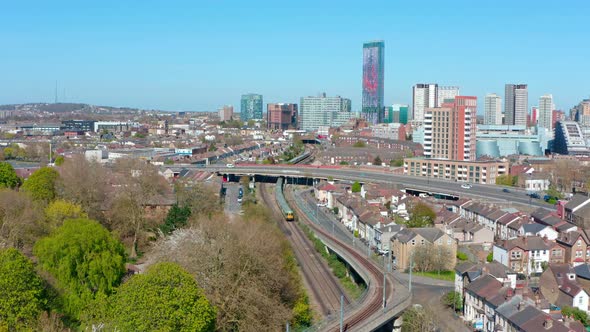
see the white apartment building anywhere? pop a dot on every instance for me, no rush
(446, 92)
(492, 109)
(323, 111)
(424, 96)
(546, 108)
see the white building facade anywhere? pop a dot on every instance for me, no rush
(492, 109)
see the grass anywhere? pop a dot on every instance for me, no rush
(442, 275)
(338, 268)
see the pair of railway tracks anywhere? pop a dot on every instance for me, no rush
(325, 289)
(374, 301)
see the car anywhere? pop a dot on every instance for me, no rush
(466, 186)
(506, 190)
(229, 165)
(534, 195)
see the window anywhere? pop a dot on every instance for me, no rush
(422, 242)
(578, 253)
(515, 254)
(449, 241)
(580, 300)
(413, 242)
(579, 243)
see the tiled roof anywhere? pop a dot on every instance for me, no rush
(583, 271)
(485, 287)
(533, 228)
(576, 201)
(431, 234)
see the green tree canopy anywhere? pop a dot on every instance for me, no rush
(41, 184)
(59, 160)
(59, 210)
(22, 296)
(8, 177)
(85, 259)
(507, 180)
(377, 161)
(177, 217)
(421, 215)
(576, 314)
(165, 298)
(453, 300)
(356, 187)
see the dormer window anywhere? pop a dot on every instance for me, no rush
(579, 243)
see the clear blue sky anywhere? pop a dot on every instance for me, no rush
(198, 55)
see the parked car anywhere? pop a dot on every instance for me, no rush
(534, 195)
(229, 165)
(506, 190)
(466, 186)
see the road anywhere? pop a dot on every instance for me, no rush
(484, 191)
(232, 206)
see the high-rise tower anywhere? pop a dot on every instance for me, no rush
(516, 104)
(251, 107)
(423, 96)
(492, 109)
(546, 112)
(373, 64)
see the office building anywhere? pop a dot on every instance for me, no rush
(449, 132)
(516, 104)
(446, 94)
(404, 111)
(484, 172)
(373, 77)
(251, 107)
(546, 112)
(569, 139)
(323, 111)
(281, 116)
(424, 96)
(581, 113)
(226, 113)
(78, 125)
(492, 109)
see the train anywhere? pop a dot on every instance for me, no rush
(283, 205)
(300, 158)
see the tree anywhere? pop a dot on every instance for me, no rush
(20, 220)
(507, 180)
(140, 185)
(359, 144)
(198, 198)
(85, 183)
(429, 257)
(85, 260)
(490, 257)
(242, 268)
(22, 297)
(356, 187)
(377, 161)
(453, 300)
(396, 162)
(554, 193)
(576, 314)
(59, 160)
(418, 319)
(177, 217)
(41, 184)
(8, 177)
(59, 210)
(462, 256)
(344, 163)
(165, 298)
(421, 215)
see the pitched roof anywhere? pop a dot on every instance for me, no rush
(485, 287)
(526, 243)
(583, 271)
(533, 228)
(576, 201)
(431, 234)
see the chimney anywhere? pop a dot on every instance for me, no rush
(548, 323)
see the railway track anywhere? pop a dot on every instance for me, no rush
(325, 289)
(374, 301)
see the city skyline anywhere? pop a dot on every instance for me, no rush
(166, 57)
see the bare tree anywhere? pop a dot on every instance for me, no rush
(139, 185)
(240, 266)
(20, 220)
(84, 183)
(431, 257)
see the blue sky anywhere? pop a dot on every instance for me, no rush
(199, 55)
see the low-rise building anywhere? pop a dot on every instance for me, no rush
(524, 254)
(407, 240)
(484, 172)
(559, 286)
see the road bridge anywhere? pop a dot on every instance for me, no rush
(483, 191)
